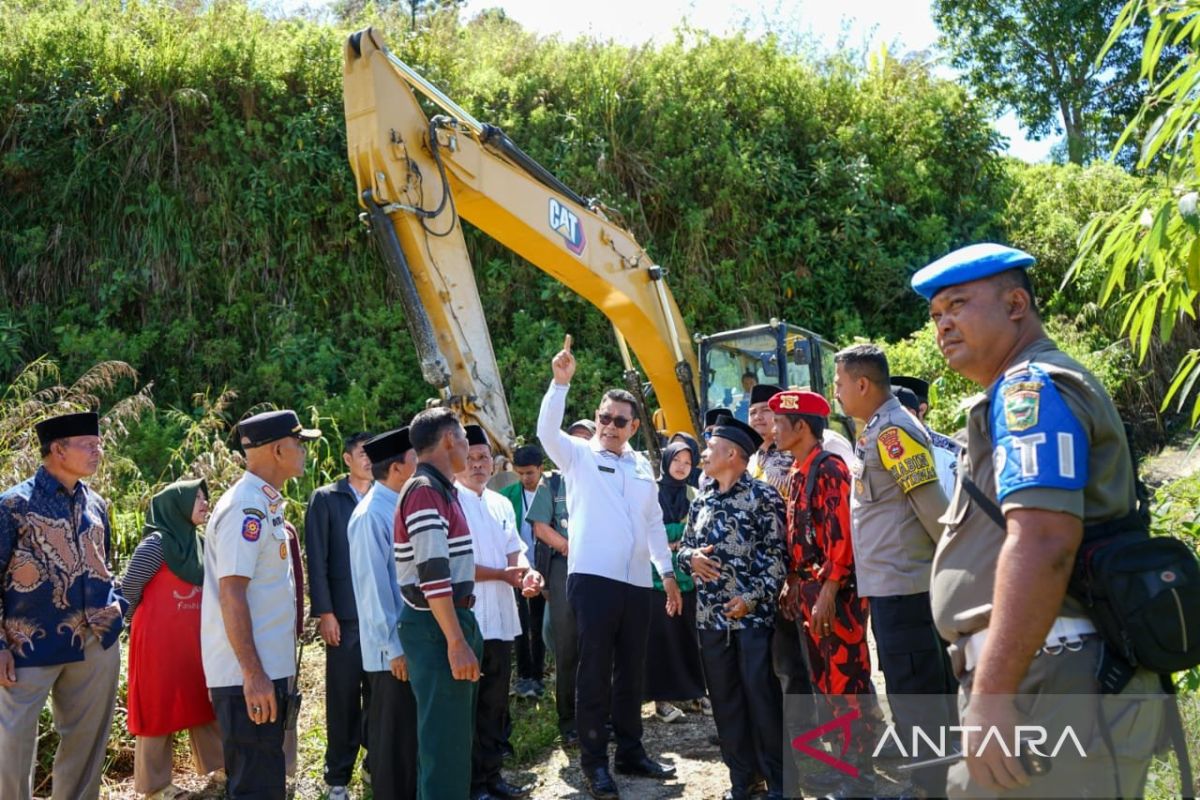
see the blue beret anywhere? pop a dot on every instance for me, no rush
(968, 264)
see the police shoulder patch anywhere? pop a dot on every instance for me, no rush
(254, 512)
(908, 460)
(1038, 442)
(251, 528)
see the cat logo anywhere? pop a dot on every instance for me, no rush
(565, 222)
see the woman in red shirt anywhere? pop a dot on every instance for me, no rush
(167, 691)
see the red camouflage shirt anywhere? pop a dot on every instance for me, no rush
(819, 548)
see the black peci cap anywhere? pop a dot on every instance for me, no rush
(907, 397)
(271, 426)
(763, 392)
(738, 432)
(85, 423)
(477, 435)
(713, 414)
(387, 445)
(917, 386)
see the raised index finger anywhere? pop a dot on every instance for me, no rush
(567, 343)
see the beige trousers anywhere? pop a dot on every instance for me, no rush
(153, 757)
(81, 699)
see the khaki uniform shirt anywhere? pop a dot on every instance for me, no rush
(1053, 434)
(894, 505)
(246, 537)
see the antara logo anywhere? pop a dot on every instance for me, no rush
(566, 223)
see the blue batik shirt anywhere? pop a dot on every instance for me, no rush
(56, 588)
(746, 527)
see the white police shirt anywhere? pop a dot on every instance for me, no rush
(246, 537)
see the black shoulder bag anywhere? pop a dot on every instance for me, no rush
(1143, 594)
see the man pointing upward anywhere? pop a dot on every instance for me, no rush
(616, 532)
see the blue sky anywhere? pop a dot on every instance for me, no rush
(902, 25)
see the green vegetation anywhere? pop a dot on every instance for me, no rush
(179, 242)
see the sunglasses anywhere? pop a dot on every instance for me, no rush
(618, 422)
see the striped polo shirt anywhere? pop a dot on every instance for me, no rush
(432, 547)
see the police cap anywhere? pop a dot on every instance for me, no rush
(271, 426)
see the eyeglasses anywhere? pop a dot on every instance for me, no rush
(608, 419)
(87, 447)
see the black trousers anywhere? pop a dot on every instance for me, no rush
(392, 729)
(531, 649)
(747, 704)
(347, 693)
(566, 643)
(254, 761)
(491, 710)
(613, 618)
(915, 662)
(789, 660)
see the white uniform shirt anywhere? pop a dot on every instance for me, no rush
(246, 537)
(612, 501)
(493, 537)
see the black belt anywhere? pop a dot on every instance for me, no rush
(465, 602)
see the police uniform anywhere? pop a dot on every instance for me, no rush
(912, 392)
(1045, 436)
(246, 538)
(895, 504)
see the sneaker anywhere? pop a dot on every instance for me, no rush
(529, 689)
(667, 712)
(338, 793)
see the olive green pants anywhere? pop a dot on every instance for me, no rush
(1060, 690)
(445, 706)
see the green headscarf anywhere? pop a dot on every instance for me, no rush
(171, 516)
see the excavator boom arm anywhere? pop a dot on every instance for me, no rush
(422, 174)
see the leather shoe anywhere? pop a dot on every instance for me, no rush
(600, 784)
(570, 739)
(646, 767)
(504, 790)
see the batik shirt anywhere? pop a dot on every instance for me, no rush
(56, 586)
(818, 538)
(745, 527)
(772, 466)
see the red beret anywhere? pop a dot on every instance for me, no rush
(798, 402)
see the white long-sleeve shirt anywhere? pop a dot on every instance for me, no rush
(494, 537)
(612, 501)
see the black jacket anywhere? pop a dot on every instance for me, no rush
(327, 551)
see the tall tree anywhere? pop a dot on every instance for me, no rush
(1041, 59)
(1151, 245)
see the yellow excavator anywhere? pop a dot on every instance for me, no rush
(418, 176)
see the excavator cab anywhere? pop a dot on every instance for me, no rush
(779, 353)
